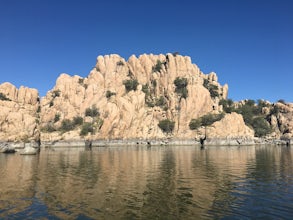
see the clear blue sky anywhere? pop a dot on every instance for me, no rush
(248, 43)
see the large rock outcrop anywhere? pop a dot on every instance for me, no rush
(133, 114)
(127, 100)
(282, 120)
(231, 130)
(19, 114)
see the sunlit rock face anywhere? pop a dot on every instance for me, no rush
(133, 113)
(282, 121)
(19, 113)
(122, 99)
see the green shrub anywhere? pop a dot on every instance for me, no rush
(109, 94)
(120, 63)
(254, 117)
(77, 121)
(166, 125)
(154, 83)
(56, 93)
(48, 128)
(57, 117)
(209, 119)
(86, 128)
(150, 103)
(250, 102)
(262, 103)
(92, 112)
(99, 122)
(249, 110)
(261, 127)
(80, 81)
(228, 105)
(67, 125)
(130, 74)
(161, 101)
(195, 124)
(181, 87)
(3, 97)
(213, 89)
(275, 110)
(130, 84)
(145, 88)
(180, 82)
(158, 67)
(205, 120)
(51, 103)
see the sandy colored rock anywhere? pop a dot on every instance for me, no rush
(231, 126)
(105, 106)
(19, 115)
(126, 115)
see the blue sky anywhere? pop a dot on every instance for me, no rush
(248, 43)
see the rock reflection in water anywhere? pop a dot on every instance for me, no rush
(148, 183)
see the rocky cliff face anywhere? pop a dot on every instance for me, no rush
(19, 113)
(146, 97)
(132, 113)
(282, 121)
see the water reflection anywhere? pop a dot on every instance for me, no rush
(149, 183)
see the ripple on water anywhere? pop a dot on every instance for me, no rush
(157, 183)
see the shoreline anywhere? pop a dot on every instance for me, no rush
(148, 142)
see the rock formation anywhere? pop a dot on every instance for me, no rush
(133, 114)
(19, 114)
(149, 97)
(282, 121)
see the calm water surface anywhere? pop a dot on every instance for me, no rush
(149, 183)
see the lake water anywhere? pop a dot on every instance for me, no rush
(180, 182)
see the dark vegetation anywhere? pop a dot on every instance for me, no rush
(56, 93)
(251, 112)
(57, 117)
(130, 84)
(181, 87)
(92, 112)
(205, 120)
(48, 128)
(150, 99)
(120, 63)
(158, 67)
(86, 128)
(166, 125)
(71, 124)
(213, 89)
(253, 117)
(80, 81)
(96, 124)
(68, 125)
(3, 97)
(109, 94)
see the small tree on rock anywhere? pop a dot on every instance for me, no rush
(167, 125)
